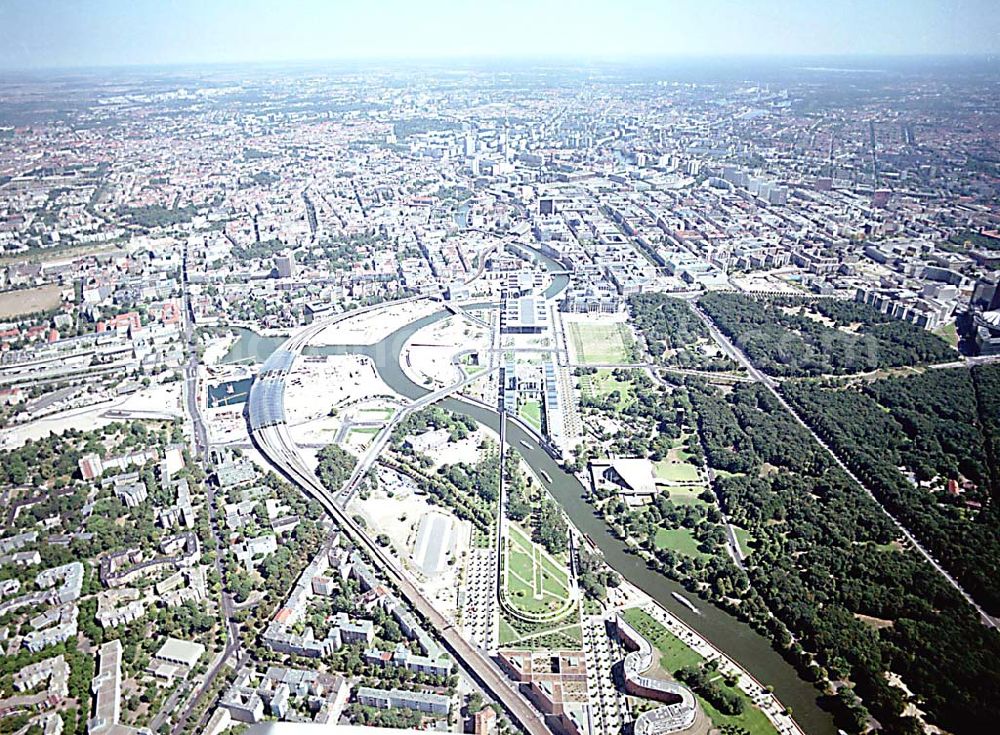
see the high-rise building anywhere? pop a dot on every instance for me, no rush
(986, 294)
(285, 265)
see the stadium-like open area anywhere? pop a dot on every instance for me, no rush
(599, 343)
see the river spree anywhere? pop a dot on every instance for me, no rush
(738, 640)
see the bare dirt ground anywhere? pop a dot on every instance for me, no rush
(29, 300)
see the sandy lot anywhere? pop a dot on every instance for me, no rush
(466, 450)
(157, 399)
(216, 349)
(346, 385)
(318, 384)
(429, 353)
(367, 329)
(226, 425)
(399, 518)
(29, 300)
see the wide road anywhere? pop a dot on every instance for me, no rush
(772, 385)
(191, 367)
(201, 446)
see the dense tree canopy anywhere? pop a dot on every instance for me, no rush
(787, 337)
(672, 330)
(928, 425)
(827, 564)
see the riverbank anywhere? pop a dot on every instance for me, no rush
(761, 697)
(372, 327)
(743, 645)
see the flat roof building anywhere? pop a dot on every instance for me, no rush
(525, 315)
(434, 540)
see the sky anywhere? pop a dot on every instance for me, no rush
(85, 33)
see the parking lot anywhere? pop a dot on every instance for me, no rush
(608, 705)
(479, 613)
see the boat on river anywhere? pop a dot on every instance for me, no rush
(545, 476)
(685, 602)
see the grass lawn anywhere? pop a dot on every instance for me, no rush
(529, 559)
(507, 633)
(744, 537)
(599, 343)
(680, 495)
(949, 332)
(531, 412)
(727, 473)
(603, 383)
(752, 719)
(520, 563)
(670, 471)
(675, 655)
(378, 413)
(535, 583)
(554, 581)
(678, 539)
(518, 536)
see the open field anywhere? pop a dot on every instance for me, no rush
(755, 722)
(678, 539)
(536, 585)
(674, 655)
(375, 414)
(507, 632)
(531, 412)
(596, 344)
(685, 494)
(29, 300)
(744, 538)
(676, 471)
(949, 332)
(604, 383)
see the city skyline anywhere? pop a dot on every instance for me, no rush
(549, 368)
(54, 34)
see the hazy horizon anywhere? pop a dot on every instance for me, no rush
(55, 34)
